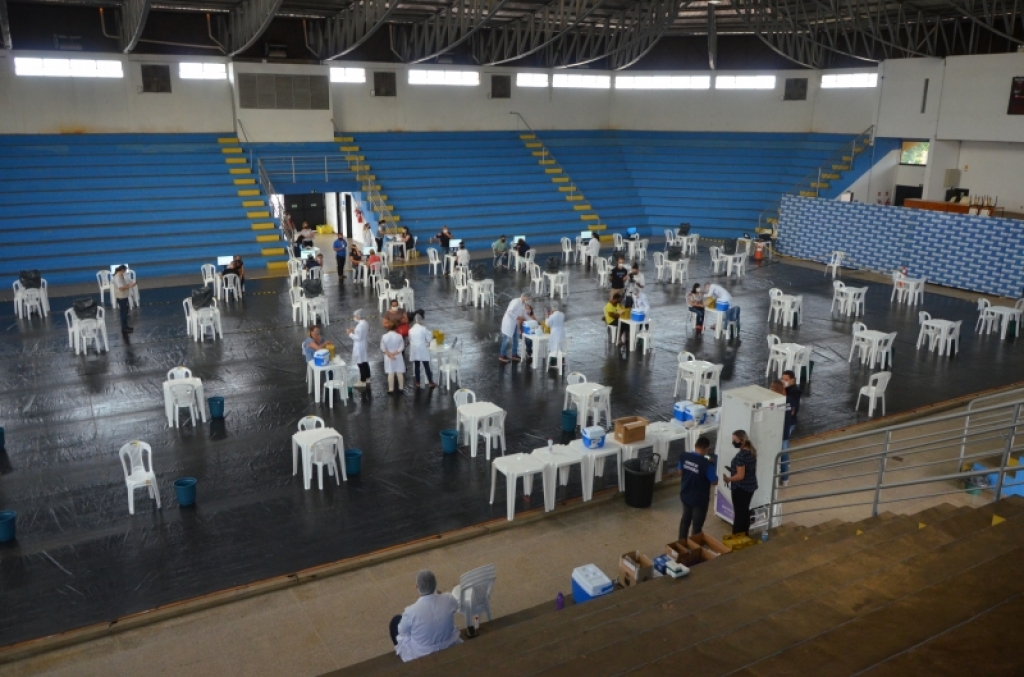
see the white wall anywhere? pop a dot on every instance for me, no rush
(975, 97)
(899, 113)
(879, 179)
(262, 125)
(34, 105)
(995, 169)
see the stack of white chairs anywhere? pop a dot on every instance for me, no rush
(473, 593)
(718, 260)
(183, 396)
(137, 464)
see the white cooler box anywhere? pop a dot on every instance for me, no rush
(593, 437)
(589, 582)
(321, 358)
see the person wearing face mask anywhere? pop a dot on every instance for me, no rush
(742, 476)
(793, 396)
(617, 278)
(358, 335)
(695, 301)
(393, 345)
(398, 318)
(639, 301)
(419, 350)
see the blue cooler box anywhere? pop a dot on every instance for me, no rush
(637, 316)
(679, 409)
(593, 437)
(695, 412)
(531, 327)
(589, 582)
(321, 358)
(722, 305)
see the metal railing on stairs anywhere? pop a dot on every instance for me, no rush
(244, 138)
(386, 223)
(814, 180)
(545, 155)
(925, 459)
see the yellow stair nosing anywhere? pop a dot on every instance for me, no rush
(527, 137)
(240, 170)
(582, 208)
(344, 139)
(560, 179)
(262, 226)
(268, 238)
(228, 139)
(538, 153)
(253, 203)
(349, 149)
(234, 160)
(231, 149)
(566, 189)
(248, 192)
(546, 162)
(588, 217)
(355, 158)
(277, 265)
(598, 226)
(257, 215)
(273, 251)
(554, 170)
(245, 182)
(535, 144)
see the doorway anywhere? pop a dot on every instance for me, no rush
(308, 207)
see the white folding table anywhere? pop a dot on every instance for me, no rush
(593, 463)
(514, 466)
(302, 445)
(472, 414)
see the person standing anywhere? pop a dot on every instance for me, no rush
(743, 479)
(511, 326)
(358, 335)
(428, 625)
(556, 325)
(340, 254)
(392, 345)
(593, 249)
(617, 278)
(419, 351)
(635, 279)
(444, 238)
(695, 490)
(122, 289)
(793, 396)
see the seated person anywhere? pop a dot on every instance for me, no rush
(314, 343)
(500, 250)
(522, 247)
(462, 257)
(398, 318)
(428, 625)
(695, 301)
(527, 316)
(407, 239)
(593, 249)
(306, 235)
(613, 312)
(355, 256)
(236, 267)
(311, 262)
(372, 259)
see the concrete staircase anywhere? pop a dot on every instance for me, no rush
(935, 593)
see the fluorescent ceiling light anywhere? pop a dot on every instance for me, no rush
(440, 77)
(745, 82)
(531, 79)
(202, 71)
(662, 82)
(849, 80)
(68, 68)
(573, 80)
(354, 75)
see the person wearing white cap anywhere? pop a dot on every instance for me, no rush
(511, 326)
(419, 350)
(428, 625)
(393, 345)
(359, 357)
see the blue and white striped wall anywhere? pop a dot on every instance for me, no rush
(954, 250)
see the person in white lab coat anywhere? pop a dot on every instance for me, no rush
(639, 301)
(556, 323)
(359, 357)
(428, 625)
(419, 350)
(511, 326)
(392, 345)
(593, 249)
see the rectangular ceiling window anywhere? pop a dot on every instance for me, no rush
(745, 82)
(662, 82)
(575, 81)
(202, 71)
(439, 77)
(353, 75)
(849, 80)
(531, 79)
(68, 68)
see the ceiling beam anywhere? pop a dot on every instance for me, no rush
(5, 27)
(340, 34)
(531, 33)
(133, 19)
(431, 37)
(243, 26)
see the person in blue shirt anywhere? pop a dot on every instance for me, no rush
(341, 253)
(695, 490)
(314, 343)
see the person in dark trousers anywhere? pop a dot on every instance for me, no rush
(340, 253)
(617, 278)
(793, 396)
(743, 479)
(695, 491)
(122, 288)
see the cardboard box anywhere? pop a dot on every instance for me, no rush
(635, 568)
(708, 547)
(682, 553)
(629, 429)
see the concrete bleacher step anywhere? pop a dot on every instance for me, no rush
(757, 611)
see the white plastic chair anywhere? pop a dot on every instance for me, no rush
(561, 286)
(105, 281)
(315, 273)
(801, 361)
(874, 390)
(537, 279)
(859, 344)
(575, 378)
(461, 284)
(493, 427)
(93, 330)
(646, 334)
(183, 396)
(710, 379)
(884, 351)
(335, 379)
(209, 272)
(179, 372)
(462, 396)
(642, 250)
(559, 359)
(600, 405)
(617, 241)
(775, 357)
(310, 423)
(835, 261)
(31, 300)
(855, 300)
(951, 338)
(190, 318)
(205, 318)
(137, 464)
(690, 243)
(930, 334)
(838, 296)
(317, 311)
(295, 272)
(449, 369)
(323, 453)
(473, 593)
(659, 265)
(718, 260)
(681, 376)
(231, 285)
(433, 261)
(567, 250)
(71, 320)
(602, 273)
(986, 318)
(295, 296)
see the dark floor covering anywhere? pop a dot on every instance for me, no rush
(81, 559)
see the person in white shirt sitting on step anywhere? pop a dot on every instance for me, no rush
(428, 625)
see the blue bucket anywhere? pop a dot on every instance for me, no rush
(185, 488)
(8, 525)
(569, 420)
(216, 406)
(450, 441)
(353, 461)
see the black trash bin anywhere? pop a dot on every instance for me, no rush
(640, 473)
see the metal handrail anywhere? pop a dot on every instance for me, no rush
(545, 153)
(385, 221)
(245, 140)
(987, 428)
(810, 177)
